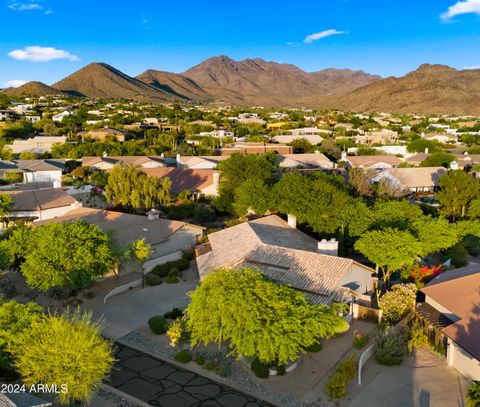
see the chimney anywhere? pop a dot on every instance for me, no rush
(454, 165)
(426, 150)
(57, 184)
(105, 154)
(343, 156)
(292, 221)
(317, 152)
(153, 214)
(328, 247)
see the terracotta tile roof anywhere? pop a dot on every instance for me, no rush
(126, 160)
(195, 180)
(418, 158)
(309, 160)
(370, 160)
(32, 165)
(126, 227)
(40, 199)
(460, 296)
(418, 177)
(190, 161)
(281, 252)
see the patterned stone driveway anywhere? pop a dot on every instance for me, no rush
(159, 383)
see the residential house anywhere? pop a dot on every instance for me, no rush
(255, 148)
(308, 131)
(287, 255)
(418, 179)
(418, 158)
(60, 116)
(36, 145)
(106, 163)
(165, 237)
(315, 160)
(313, 139)
(200, 182)
(35, 170)
(452, 304)
(6, 115)
(40, 204)
(383, 136)
(377, 162)
(200, 162)
(103, 134)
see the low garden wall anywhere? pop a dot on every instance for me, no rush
(150, 264)
(121, 289)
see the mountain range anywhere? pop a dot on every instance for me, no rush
(430, 89)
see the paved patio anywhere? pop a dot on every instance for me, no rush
(160, 383)
(424, 380)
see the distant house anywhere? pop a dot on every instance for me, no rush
(308, 131)
(200, 182)
(41, 204)
(200, 162)
(105, 163)
(377, 162)
(36, 145)
(315, 160)
(421, 179)
(287, 255)
(60, 116)
(34, 170)
(255, 148)
(104, 133)
(418, 158)
(383, 136)
(165, 237)
(452, 304)
(286, 139)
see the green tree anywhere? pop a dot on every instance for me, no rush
(419, 145)
(65, 350)
(61, 254)
(15, 318)
(141, 250)
(240, 168)
(275, 323)
(457, 190)
(254, 195)
(6, 204)
(390, 249)
(132, 188)
(438, 159)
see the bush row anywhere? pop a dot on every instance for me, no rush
(337, 385)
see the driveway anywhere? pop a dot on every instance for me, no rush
(421, 381)
(129, 311)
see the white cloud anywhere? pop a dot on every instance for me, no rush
(461, 7)
(322, 34)
(472, 67)
(24, 6)
(36, 53)
(14, 83)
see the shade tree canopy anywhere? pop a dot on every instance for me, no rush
(275, 324)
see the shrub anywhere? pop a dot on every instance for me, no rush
(359, 339)
(397, 302)
(158, 324)
(457, 254)
(316, 347)
(222, 371)
(199, 360)
(174, 313)
(473, 394)
(178, 332)
(183, 356)
(209, 366)
(281, 370)
(260, 369)
(336, 387)
(153, 279)
(389, 347)
(174, 272)
(188, 255)
(417, 336)
(162, 270)
(172, 280)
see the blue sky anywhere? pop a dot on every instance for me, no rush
(47, 39)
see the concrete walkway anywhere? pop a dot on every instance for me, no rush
(421, 381)
(131, 310)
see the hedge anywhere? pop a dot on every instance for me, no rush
(174, 313)
(183, 356)
(260, 369)
(158, 324)
(162, 270)
(153, 279)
